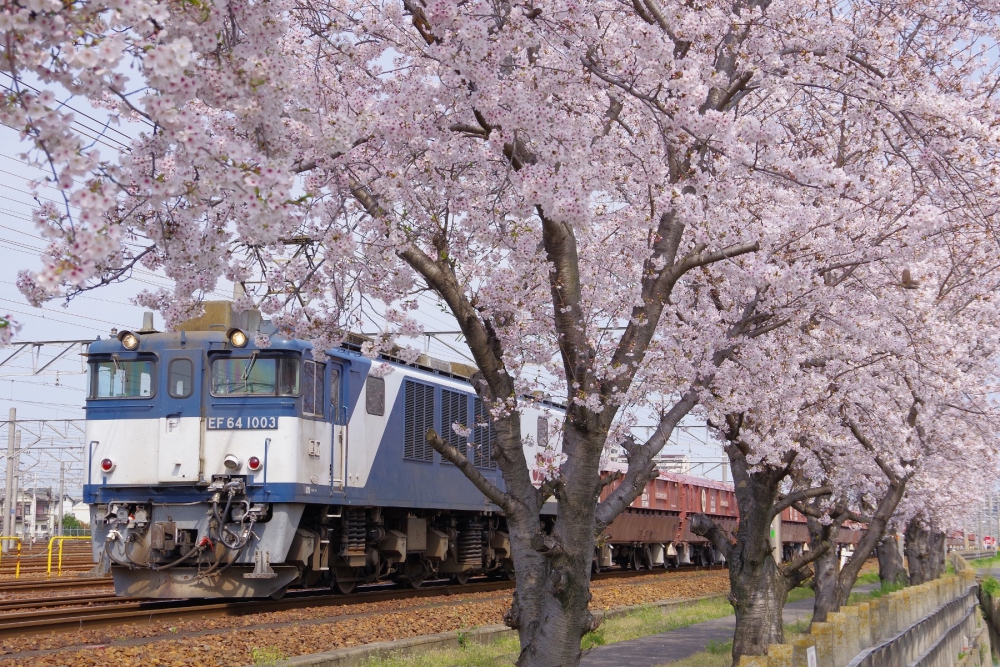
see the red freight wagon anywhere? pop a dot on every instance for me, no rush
(655, 530)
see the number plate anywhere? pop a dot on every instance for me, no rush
(241, 423)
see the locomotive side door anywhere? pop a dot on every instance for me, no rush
(179, 387)
(338, 411)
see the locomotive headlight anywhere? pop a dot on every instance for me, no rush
(232, 462)
(253, 463)
(237, 337)
(128, 340)
(107, 465)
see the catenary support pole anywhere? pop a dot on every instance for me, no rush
(62, 490)
(8, 498)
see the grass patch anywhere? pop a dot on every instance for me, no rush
(991, 586)
(500, 653)
(705, 659)
(267, 656)
(885, 589)
(504, 652)
(867, 578)
(799, 594)
(981, 562)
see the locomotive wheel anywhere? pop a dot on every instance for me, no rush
(345, 587)
(462, 578)
(637, 560)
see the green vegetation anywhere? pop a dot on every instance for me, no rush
(885, 589)
(642, 623)
(70, 521)
(719, 648)
(267, 656)
(867, 578)
(983, 562)
(990, 586)
(800, 593)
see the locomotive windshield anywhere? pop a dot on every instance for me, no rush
(121, 379)
(256, 376)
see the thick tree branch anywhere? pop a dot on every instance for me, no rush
(640, 467)
(462, 462)
(784, 502)
(704, 526)
(791, 568)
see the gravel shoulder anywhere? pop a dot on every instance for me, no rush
(229, 641)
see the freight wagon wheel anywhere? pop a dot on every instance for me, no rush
(637, 561)
(462, 578)
(345, 587)
(508, 570)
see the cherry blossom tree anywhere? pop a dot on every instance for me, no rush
(600, 189)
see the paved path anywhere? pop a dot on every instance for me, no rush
(683, 642)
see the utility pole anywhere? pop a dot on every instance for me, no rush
(62, 490)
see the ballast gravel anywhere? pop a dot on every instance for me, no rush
(231, 641)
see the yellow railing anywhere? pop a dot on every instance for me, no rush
(60, 539)
(8, 538)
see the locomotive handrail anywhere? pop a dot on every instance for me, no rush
(7, 538)
(61, 539)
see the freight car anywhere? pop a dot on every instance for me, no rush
(655, 530)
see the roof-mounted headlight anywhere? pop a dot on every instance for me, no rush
(128, 340)
(236, 337)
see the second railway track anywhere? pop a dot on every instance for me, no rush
(25, 617)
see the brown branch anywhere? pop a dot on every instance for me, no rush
(462, 462)
(790, 569)
(784, 502)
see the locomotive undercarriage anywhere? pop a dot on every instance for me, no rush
(232, 547)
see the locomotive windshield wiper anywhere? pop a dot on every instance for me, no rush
(118, 368)
(248, 368)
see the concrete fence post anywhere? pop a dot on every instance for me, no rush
(753, 661)
(876, 617)
(852, 629)
(823, 635)
(779, 655)
(838, 626)
(800, 648)
(864, 626)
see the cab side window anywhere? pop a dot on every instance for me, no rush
(313, 395)
(180, 378)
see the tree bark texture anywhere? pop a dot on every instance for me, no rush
(758, 584)
(826, 582)
(891, 571)
(833, 583)
(919, 557)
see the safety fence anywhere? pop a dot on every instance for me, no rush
(929, 625)
(61, 539)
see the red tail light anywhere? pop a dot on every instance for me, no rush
(253, 463)
(107, 465)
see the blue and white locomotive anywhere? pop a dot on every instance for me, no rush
(215, 468)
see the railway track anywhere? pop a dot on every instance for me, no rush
(26, 617)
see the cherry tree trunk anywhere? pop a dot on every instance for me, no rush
(550, 606)
(758, 588)
(890, 561)
(918, 553)
(937, 554)
(827, 583)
